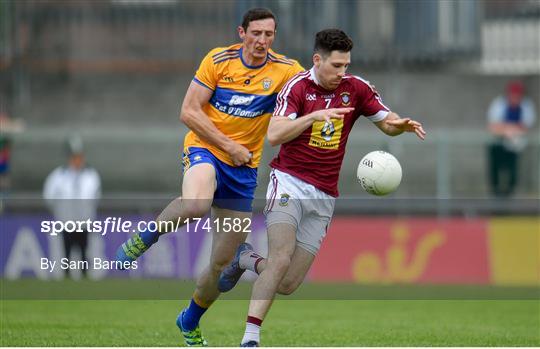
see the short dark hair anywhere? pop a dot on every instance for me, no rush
(329, 40)
(256, 14)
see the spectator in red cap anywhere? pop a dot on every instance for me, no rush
(509, 119)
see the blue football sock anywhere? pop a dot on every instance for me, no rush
(149, 237)
(191, 317)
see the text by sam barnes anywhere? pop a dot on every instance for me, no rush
(96, 263)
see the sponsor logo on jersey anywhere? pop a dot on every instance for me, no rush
(241, 100)
(242, 105)
(326, 135)
(345, 99)
(328, 131)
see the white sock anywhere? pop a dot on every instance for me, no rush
(249, 260)
(252, 333)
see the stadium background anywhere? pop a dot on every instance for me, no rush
(115, 72)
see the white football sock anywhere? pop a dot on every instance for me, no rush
(252, 333)
(248, 260)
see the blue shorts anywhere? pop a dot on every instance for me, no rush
(235, 185)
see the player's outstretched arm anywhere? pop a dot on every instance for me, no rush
(283, 129)
(393, 125)
(194, 117)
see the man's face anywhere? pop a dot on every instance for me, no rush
(514, 98)
(76, 161)
(331, 69)
(258, 37)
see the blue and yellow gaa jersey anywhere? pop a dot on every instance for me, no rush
(244, 97)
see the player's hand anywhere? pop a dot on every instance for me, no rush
(239, 154)
(329, 114)
(408, 125)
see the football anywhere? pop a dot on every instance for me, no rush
(379, 173)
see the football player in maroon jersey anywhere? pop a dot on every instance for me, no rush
(314, 115)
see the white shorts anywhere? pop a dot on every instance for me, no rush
(293, 201)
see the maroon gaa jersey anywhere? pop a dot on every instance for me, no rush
(316, 155)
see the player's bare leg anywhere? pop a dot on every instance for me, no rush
(247, 259)
(301, 262)
(281, 246)
(198, 189)
(224, 244)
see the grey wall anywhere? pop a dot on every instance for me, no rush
(133, 136)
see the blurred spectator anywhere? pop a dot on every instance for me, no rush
(5, 151)
(8, 126)
(72, 193)
(509, 119)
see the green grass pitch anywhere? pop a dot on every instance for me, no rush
(309, 322)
